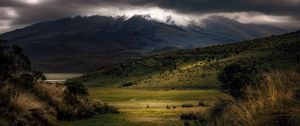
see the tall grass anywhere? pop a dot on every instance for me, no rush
(44, 104)
(23, 108)
(55, 92)
(27, 109)
(275, 92)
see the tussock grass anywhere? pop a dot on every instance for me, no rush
(45, 103)
(54, 91)
(21, 102)
(74, 106)
(27, 109)
(276, 92)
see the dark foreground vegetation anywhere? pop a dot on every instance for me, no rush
(26, 100)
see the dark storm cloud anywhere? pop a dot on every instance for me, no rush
(274, 7)
(30, 12)
(60, 8)
(9, 3)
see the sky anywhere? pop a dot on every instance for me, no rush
(280, 13)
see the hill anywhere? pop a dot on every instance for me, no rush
(198, 68)
(84, 43)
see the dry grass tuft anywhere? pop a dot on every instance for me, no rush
(54, 92)
(275, 92)
(27, 109)
(80, 107)
(46, 103)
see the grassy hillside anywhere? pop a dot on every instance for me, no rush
(198, 68)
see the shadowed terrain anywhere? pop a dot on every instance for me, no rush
(84, 43)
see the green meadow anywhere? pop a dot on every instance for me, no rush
(146, 107)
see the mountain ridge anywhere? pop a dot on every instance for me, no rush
(81, 43)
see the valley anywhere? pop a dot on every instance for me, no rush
(146, 90)
(147, 107)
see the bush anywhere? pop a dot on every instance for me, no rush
(127, 84)
(187, 105)
(237, 76)
(76, 88)
(220, 107)
(297, 94)
(23, 81)
(105, 108)
(188, 116)
(12, 60)
(202, 104)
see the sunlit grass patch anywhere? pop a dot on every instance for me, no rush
(147, 107)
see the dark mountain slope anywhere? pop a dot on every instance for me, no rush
(84, 43)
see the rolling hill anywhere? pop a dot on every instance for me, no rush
(198, 68)
(84, 43)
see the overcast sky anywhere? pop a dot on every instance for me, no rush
(281, 13)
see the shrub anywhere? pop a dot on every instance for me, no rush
(26, 109)
(105, 108)
(201, 121)
(220, 107)
(23, 81)
(71, 102)
(202, 104)
(74, 89)
(237, 76)
(12, 60)
(127, 84)
(187, 105)
(297, 94)
(188, 116)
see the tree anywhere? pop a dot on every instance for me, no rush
(12, 60)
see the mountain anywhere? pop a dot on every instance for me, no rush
(199, 67)
(84, 43)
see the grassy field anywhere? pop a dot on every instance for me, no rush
(133, 106)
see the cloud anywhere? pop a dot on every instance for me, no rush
(278, 12)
